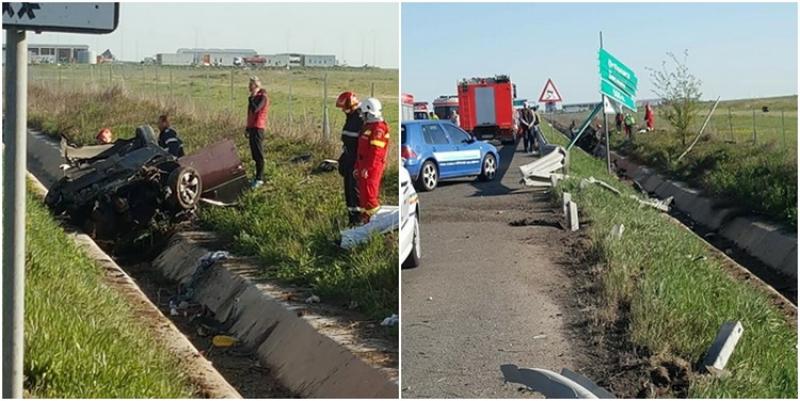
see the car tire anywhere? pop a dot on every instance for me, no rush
(428, 176)
(413, 258)
(186, 186)
(488, 168)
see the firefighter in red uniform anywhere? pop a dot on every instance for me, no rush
(353, 123)
(373, 144)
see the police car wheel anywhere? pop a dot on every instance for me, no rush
(489, 168)
(428, 176)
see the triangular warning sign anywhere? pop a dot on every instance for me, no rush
(550, 93)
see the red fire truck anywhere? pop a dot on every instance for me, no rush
(445, 105)
(407, 107)
(486, 107)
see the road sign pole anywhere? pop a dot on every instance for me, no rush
(605, 120)
(14, 154)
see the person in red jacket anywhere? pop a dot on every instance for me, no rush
(257, 110)
(348, 102)
(373, 145)
(649, 116)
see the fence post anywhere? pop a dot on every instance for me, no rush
(372, 89)
(171, 94)
(730, 123)
(208, 88)
(110, 74)
(60, 86)
(326, 127)
(783, 133)
(754, 126)
(232, 90)
(158, 92)
(290, 102)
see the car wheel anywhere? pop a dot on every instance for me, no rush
(413, 258)
(428, 176)
(186, 187)
(489, 168)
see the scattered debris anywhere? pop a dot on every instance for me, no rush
(222, 341)
(616, 231)
(591, 180)
(566, 197)
(662, 205)
(385, 220)
(391, 320)
(304, 158)
(541, 172)
(722, 348)
(327, 166)
(312, 299)
(430, 298)
(551, 384)
(540, 336)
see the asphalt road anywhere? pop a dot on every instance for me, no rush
(487, 293)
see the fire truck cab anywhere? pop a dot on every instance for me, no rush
(486, 107)
(445, 105)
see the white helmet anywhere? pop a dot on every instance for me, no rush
(371, 109)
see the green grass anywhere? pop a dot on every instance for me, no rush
(81, 338)
(760, 175)
(292, 224)
(677, 301)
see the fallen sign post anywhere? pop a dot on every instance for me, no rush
(17, 19)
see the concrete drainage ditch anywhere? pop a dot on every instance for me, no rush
(286, 348)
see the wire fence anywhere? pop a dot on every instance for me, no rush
(300, 99)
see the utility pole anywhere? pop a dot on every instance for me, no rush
(14, 160)
(605, 120)
(326, 126)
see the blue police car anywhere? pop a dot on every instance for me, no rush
(438, 149)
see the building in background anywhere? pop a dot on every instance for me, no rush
(240, 57)
(56, 54)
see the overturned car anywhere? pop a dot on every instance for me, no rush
(132, 184)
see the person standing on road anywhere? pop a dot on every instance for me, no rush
(455, 119)
(649, 116)
(348, 102)
(168, 137)
(526, 120)
(257, 110)
(373, 144)
(537, 131)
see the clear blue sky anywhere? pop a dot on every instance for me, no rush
(345, 29)
(737, 50)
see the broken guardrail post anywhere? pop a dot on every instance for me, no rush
(722, 348)
(572, 217)
(566, 198)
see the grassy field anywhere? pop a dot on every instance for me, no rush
(674, 298)
(292, 223)
(81, 339)
(759, 175)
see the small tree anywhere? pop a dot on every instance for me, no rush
(679, 91)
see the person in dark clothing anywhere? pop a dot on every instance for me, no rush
(618, 120)
(168, 137)
(526, 119)
(257, 110)
(348, 102)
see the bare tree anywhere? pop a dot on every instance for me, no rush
(679, 91)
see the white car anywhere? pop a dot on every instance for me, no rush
(409, 221)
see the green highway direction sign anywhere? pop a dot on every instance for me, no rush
(612, 91)
(617, 81)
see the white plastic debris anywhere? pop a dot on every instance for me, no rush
(391, 320)
(385, 220)
(616, 231)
